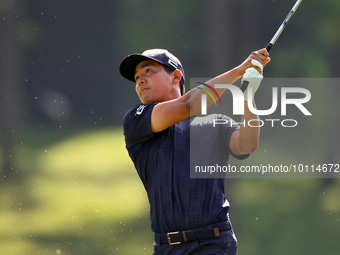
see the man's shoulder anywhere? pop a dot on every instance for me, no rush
(137, 126)
(138, 110)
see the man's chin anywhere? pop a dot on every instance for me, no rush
(149, 100)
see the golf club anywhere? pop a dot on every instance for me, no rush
(244, 84)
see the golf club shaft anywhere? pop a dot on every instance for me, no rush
(270, 45)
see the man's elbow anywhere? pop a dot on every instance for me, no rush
(241, 145)
(249, 147)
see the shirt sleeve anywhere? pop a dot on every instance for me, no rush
(137, 126)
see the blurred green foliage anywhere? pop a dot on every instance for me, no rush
(83, 196)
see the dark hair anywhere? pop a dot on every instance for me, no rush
(170, 71)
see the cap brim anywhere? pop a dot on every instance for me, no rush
(128, 65)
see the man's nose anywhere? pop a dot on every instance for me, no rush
(140, 81)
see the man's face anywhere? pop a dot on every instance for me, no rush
(153, 83)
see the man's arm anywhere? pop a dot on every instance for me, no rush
(246, 139)
(168, 113)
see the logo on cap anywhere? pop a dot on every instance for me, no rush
(172, 63)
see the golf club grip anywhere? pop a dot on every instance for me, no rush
(244, 86)
(269, 47)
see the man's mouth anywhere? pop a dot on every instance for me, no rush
(145, 89)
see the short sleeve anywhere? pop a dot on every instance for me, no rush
(137, 126)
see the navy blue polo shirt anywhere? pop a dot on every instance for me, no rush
(162, 160)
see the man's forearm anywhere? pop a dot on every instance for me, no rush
(195, 94)
(249, 134)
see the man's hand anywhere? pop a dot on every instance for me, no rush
(261, 56)
(254, 78)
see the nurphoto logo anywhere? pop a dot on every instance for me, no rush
(301, 95)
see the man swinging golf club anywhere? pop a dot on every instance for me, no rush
(188, 215)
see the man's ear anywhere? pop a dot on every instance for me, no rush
(176, 76)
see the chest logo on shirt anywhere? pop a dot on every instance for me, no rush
(140, 109)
